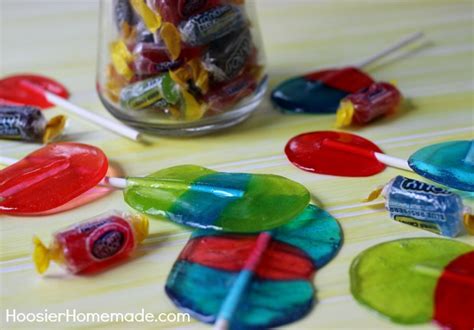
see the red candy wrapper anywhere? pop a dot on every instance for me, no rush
(94, 244)
(360, 108)
(227, 94)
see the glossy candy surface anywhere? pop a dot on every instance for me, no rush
(94, 244)
(363, 107)
(319, 92)
(281, 290)
(50, 177)
(12, 89)
(198, 197)
(308, 152)
(448, 163)
(90, 196)
(417, 280)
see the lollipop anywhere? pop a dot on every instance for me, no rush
(422, 279)
(50, 177)
(322, 91)
(232, 280)
(344, 154)
(44, 92)
(89, 196)
(189, 195)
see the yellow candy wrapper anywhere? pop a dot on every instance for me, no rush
(172, 39)
(344, 114)
(192, 70)
(151, 19)
(54, 128)
(121, 59)
(191, 107)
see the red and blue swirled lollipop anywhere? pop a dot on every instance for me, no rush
(213, 281)
(322, 91)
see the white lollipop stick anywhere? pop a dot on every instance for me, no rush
(119, 183)
(384, 159)
(113, 126)
(393, 161)
(387, 51)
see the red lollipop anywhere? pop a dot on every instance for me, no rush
(71, 168)
(310, 152)
(11, 89)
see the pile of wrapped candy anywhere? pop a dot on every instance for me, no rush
(182, 60)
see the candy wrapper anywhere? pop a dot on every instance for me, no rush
(27, 123)
(425, 206)
(93, 244)
(379, 99)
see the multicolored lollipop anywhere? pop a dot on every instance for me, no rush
(249, 281)
(199, 197)
(190, 195)
(413, 281)
(345, 154)
(43, 92)
(322, 91)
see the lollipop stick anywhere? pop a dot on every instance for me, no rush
(119, 183)
(393, 161)
(384, 159)
(232, 300)
(402, 43)
(83, 113)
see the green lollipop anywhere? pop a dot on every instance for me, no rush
(199, 197)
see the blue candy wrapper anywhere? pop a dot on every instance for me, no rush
(424, 206)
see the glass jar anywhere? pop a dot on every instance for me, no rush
(180, 67)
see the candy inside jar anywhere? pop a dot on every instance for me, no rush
(180, 67)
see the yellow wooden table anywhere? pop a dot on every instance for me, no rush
(58, 38)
